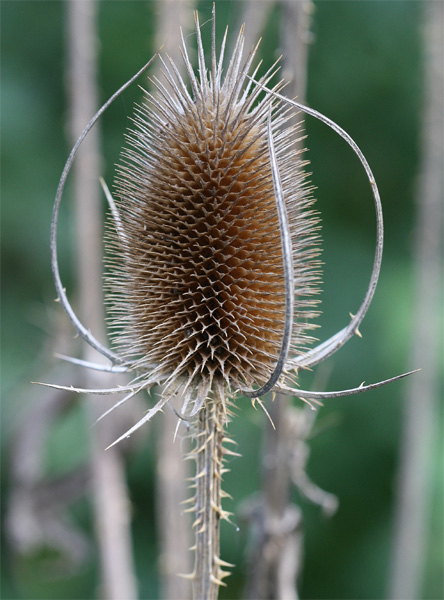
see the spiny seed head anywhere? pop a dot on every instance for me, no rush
(196, 266)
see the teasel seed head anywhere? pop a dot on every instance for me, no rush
(212, 253)
(196, 268)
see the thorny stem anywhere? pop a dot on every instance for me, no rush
(209, 436)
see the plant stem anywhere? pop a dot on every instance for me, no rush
(208, 454)
(413, 529)
(110, 497)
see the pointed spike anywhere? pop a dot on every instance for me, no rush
(225, 494)
(228, 440)
(221, 562)
(221, 574)
(261, 404)
(227, 452)
(217, 581)
(192, 499)
(145, 419)
(190, 509)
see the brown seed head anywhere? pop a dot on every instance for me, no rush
(196, 267)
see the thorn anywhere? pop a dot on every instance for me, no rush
(190, 456)
(357, 332)
(217, 581)
(115, 443)
(221, 562)
(201, 474)
(225, 516)
(189, 510)
(222, 574)
(261, 404)
(176, 431)
(227, 452)
(228, 440)
(192, 499)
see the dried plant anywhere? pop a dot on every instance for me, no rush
(212, 256)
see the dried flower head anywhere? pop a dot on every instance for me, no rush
(197, 285)
(213, 242)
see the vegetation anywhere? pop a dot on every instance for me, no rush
(365, 72)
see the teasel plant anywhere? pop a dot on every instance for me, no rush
(213, 263)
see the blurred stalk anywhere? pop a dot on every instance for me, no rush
(275, 560)
(421, 419)
(111, 505)
(254, 17)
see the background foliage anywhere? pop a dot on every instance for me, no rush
(365, 72)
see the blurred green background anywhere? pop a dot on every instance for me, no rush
(365, 72)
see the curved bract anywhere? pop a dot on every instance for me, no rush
(61, 293)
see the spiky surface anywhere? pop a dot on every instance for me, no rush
(197, 285)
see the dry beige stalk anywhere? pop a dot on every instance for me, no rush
(209, 436)
(423, 398)
(109, 491)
